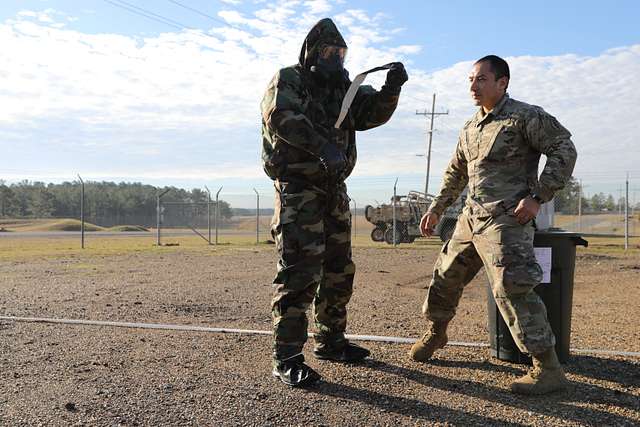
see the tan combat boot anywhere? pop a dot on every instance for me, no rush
(546, 375)
(434, 339)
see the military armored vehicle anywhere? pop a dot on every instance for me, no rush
(409, 210)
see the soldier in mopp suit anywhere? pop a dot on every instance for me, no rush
(497, 157)
(309, 159)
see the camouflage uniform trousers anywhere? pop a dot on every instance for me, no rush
(505, 248)
(312, 231)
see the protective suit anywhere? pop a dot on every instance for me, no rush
(309, 160)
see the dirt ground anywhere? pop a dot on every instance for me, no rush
(88, 375)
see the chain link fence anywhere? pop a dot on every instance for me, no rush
(601, 207)
(594, 206)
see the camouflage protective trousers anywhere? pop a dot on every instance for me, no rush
(312, 231)
(505, 248)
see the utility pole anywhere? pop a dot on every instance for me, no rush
(432, 115)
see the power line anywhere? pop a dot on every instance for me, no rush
(206, 15)
(168, 21)
(406, 95)
(150, 16)
(153, 14)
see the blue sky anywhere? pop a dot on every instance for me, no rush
(450, 32)
(94, 89)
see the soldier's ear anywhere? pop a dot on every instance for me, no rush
(503, 83)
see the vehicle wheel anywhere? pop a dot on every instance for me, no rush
(446, 229)
(377, 234)
(401, 234)
(404, 233)
(388, 236)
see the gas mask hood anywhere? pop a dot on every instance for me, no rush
(324, 49)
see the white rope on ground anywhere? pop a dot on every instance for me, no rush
(191, 328)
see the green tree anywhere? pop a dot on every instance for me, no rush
(42, 202)
(566, 200)
(598, 201)
(610, 204)
(7, 201)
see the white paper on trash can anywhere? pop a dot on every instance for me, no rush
(543, 256)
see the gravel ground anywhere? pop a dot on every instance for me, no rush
(87, 375)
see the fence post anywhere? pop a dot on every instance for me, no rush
(394, 213)
(208, 213)
(81, 211)
(257, 216)
(626, 214)
(217, 217)
(355, 219)
(159, 215)
(580, 207)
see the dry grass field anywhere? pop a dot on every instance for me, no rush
(89, 375)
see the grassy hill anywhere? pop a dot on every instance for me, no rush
(45, 225)
(60, 224)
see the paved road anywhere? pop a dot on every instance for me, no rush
(588, 223)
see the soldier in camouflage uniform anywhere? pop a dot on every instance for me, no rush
(497, 157)
(309, 159)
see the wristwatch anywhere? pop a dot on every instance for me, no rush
(537, 198)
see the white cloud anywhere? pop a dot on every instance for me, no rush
(318, 6)
(187, 103)
(48, 17)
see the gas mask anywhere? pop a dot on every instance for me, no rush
(330, 61)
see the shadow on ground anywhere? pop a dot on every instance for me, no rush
(565, 405)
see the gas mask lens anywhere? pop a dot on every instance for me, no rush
(333, 55)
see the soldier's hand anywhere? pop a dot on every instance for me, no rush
(397, 75)
(527, 210)
(333, 159)
(428, 224)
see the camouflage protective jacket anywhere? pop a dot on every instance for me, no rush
(299, 111)
(497, 156)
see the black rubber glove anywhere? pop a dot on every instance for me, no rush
(396, 76)
(333, 159)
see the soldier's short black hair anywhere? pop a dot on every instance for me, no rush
(499, 66)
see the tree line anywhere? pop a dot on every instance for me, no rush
(106, 203)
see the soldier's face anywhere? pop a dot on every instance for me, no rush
(485, 90)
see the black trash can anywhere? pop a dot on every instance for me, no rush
(556, 292)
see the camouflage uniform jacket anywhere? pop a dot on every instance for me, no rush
(497, 155)
(299, 111)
